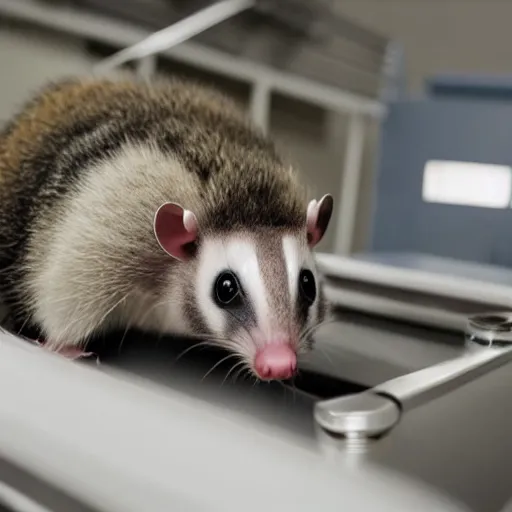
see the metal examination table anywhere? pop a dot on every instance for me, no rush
(456, 442)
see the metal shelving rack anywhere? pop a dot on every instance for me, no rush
(142, 45)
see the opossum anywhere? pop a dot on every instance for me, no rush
(157, 206)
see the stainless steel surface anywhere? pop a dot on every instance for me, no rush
(124, 444)
(459, 442)
(22, 491)
(456, 440)
(456, 443)
(397, 309)
(365, 414)
(440, 277)
(11, 500)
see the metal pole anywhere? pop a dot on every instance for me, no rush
(260, 105)
(146, 67)
(349, 191)
(177, 33)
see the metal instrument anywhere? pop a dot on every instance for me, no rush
(376, 411)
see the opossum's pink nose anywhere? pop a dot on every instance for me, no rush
(276, 361)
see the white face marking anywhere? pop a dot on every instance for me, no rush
(212, 261)
(293, 258)
(296, 258)
(239, 255)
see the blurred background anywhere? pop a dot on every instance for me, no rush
(319, 75)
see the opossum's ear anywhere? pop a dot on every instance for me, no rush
(318, 217)
(175, 230)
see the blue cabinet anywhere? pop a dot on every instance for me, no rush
(446, 126)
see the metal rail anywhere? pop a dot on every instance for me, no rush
(134, 40)
(120, 34)
(177, 33)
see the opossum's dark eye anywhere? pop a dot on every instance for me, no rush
(307, 285)
(227, 289)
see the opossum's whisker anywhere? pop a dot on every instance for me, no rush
(7, 246)
(80, 318)
(128, 326)
(141, 320)
(98, 296)
(308, 330)
(294, 390)
(195, 345)
(282, 384)
(23, 325)
(243, 368)
(217, 364)
(114, 306)
(7, 269)
(218, 342)
(287, 388)
(224, 343)
(240, 363)
(327, 357)
(241, 324)
(157, 304)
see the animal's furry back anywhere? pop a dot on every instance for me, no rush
(235, 177)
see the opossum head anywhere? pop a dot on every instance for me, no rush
(255, 292)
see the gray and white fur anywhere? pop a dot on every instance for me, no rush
(157, 206)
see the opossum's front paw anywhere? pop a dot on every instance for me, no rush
(68, 352)
(74, 353)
